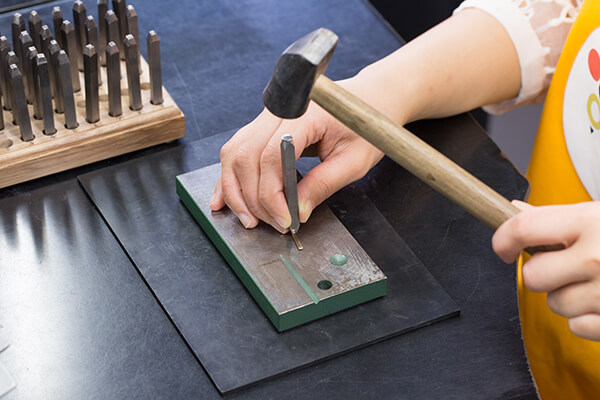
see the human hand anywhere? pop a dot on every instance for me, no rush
(570, 276)
(251, 182)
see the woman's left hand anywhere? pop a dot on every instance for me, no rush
(570, 276)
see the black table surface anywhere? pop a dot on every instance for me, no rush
(83, 323)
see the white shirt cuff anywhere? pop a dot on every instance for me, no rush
(529, 49)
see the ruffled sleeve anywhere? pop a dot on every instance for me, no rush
(538, 30)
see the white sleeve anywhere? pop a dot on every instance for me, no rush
(538, 30)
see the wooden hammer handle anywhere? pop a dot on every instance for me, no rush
(422, 160)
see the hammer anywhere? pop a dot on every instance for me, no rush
(298, 78)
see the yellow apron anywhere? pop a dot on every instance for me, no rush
(563, 365)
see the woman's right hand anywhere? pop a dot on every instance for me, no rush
(251, 182)
(446, 71)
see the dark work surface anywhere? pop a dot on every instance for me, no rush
(80, 321)
(83, 324)
(10, 5)
(224, 327)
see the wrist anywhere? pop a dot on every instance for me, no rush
(374, 87)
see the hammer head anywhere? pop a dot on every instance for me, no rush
(287, 93)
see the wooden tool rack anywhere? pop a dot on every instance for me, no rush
(111, 136)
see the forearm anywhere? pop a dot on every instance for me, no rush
(465, 62)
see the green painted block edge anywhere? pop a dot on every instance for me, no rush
(292, 318)
(228, 254)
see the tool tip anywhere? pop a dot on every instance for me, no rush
(129, 40)
(152, 37)
(110, 16)
(111, 48)
(90, 23)
(78, 6)
(13, 70)
(66, 25)
(297, 241)
(89, 50)
(53, 47)
(63, 58)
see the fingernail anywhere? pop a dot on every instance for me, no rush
(281, 230)
(245, 220)
(305, 209)
(283, 222)
(212, 200)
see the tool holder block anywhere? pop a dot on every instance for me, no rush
(90, 142)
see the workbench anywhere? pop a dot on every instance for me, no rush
(82, 321)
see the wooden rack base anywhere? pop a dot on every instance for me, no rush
(111, 136)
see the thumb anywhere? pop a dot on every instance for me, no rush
(324, 180)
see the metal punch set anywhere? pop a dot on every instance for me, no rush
(88, 74)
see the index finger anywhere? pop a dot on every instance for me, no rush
(535, 227)
(271, 178)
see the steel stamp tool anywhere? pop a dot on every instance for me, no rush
(290, 185)
(57, 19)
(17, 26)
(4, 79)
(102, 9)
